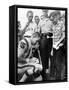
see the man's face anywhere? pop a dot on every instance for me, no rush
(51, 18)
(35, 41)
(45, 13)
(30, 16)
(42, 17)
(37, 19)
(56, 18)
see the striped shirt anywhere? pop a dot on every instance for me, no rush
(57, 31)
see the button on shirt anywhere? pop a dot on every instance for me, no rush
(45, 25)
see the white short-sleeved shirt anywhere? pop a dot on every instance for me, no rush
(29, 30)
(36, 27)
(30, 27)
(45, 25)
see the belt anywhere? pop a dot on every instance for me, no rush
(28, 36)
(44, 35)
(47, 34)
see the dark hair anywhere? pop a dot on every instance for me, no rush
(55, 13)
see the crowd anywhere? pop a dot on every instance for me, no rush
(41, 47)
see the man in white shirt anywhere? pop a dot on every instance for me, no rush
(45, 43)
(36, 24)
(29, 25)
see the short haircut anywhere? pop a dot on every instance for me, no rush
(29, 12)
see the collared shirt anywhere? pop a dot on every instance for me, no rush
(30, 27)
(46, 25)
(36, 27)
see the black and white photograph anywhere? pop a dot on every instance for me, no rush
(34, 45)
(42, 45)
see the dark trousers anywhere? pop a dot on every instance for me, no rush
(57, 63)
(45, 49)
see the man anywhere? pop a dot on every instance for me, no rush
(45, 43)
(58, 56)
(30, 25)
(29, 66)
(36, 24)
